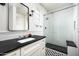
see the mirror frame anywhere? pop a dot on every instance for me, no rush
(28, 19)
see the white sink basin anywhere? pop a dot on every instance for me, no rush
(25, 40)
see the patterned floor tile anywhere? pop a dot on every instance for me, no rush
(51, 52)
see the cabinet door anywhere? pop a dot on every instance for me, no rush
(14, 53)
(39, 52)
(32, 50)
(42, 51)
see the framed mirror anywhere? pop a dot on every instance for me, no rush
(18, 17)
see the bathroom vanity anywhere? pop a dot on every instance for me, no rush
(34, 47)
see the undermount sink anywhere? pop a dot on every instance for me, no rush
(25, 40)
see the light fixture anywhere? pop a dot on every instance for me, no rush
(32, 11)
(3, 4)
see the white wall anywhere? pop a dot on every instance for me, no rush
(3, 18)
(33, 21)
(77, 26)
(36, 21)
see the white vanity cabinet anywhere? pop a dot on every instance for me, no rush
(34, 49)
(14, 53)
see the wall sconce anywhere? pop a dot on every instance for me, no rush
(3, 4)
(32, 11)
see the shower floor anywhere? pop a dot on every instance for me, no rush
(55, 50)
(51, 52)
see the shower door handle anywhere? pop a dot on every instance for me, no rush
(74, 24)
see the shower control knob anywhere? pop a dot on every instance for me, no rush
(45, 27)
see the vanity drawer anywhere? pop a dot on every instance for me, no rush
(31, 50)
(39, 52)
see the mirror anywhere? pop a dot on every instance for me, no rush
(18, 17)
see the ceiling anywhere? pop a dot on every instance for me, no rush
(52, 6)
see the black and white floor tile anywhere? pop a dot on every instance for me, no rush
(51, 52)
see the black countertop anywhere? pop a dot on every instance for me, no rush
(10, 45)
(71, 43)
